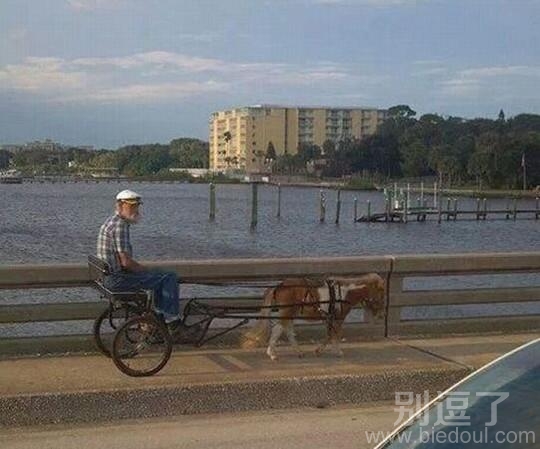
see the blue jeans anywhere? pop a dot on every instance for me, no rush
(163, 284)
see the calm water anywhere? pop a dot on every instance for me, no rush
(51, 223)
(59, 223)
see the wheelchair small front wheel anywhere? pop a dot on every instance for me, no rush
(142, 346)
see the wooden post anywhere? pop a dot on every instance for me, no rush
(322, 206)
(422, 193)
(406, 206)
(369, 210)
(254, 195)
(435, 202)
(448, 209)
(212, 201)
(455, 209)
(484, 214)
(355, 209)
(478, 208)
(338, 205)
(394, 288)
(279, 200)
(515, 208)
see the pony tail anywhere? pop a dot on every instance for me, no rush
(258, 334)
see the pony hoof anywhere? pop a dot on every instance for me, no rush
(301, 355)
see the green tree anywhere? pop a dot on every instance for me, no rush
(5, 157)
(401, 111)
(189, 153)
(270, 152)
(415, 159)
(143, 160)
(308, 152)
(444, 161)
(104, 159)
(329, 149)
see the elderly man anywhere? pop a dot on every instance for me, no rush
(114, 247)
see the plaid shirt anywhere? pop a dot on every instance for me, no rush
(113, 238)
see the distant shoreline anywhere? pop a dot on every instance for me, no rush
(471, 193)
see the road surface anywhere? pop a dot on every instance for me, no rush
(339, 427)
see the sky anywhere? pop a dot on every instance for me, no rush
(114, 72)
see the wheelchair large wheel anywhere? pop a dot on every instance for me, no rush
(142, 346)
(108, 322)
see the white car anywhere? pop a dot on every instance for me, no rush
(497, 406)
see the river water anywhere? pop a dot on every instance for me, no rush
(59, 223)
(52, 223)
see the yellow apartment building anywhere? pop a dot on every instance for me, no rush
(239, 138)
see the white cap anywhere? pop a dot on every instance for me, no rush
(128, 195)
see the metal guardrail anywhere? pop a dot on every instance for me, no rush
(396, 269)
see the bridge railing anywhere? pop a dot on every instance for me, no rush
(477, 292)
(411, 310)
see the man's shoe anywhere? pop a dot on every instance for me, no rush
(175, 327)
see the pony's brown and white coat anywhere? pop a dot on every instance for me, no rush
(304, 299)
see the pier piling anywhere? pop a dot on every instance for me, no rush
(439, 208)
(338, 206)
(322, 206)
(279, 201)
(212, 201)
(254, 195)
(406, 207)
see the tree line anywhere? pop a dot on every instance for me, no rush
(483, 152)
(489, 153)
(130, 160)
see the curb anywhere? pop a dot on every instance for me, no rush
(320, 392)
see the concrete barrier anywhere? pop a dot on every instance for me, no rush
(396, 269)
(463, 265)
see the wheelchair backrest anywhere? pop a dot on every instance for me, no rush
(97, 268)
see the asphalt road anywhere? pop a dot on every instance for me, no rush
(340, 427)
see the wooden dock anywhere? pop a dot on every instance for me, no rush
(403, 215)
(400, 209)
